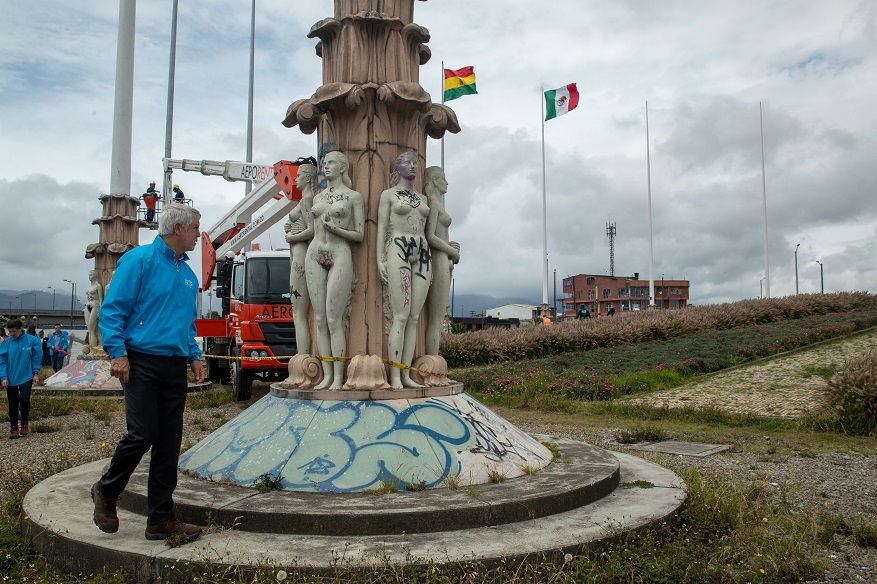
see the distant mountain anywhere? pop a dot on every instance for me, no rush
(17, 302)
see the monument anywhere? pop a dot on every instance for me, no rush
(369, 409)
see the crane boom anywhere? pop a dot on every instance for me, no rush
(230, 170)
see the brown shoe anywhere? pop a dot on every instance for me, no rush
(105, 516)
(13, 433)
(25, 429)
(166, 529)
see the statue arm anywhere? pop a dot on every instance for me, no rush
(307, 218)
(356, 234)
(380, 244)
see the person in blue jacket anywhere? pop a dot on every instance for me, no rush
(147, 324)
(59, 346)
(20, 356)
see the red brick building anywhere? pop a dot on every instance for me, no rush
(624, 294)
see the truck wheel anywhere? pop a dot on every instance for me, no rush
(241, 382)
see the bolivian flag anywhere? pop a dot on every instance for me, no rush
(459, 83)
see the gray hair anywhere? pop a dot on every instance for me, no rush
(176, 214)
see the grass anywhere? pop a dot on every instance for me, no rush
(733, 528)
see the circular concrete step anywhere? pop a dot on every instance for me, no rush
(582, 475)
(57, 516)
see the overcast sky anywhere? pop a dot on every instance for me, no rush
(702, 66)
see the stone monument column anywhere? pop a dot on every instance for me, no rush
(372, 108)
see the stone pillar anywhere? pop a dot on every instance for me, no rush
(372, 108)
(119, 232)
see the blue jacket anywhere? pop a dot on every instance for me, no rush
(150, 306)
(63, 344)
(20, 358)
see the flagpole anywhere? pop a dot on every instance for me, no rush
(649, 178)
(443, 101)
(764, 204)
(544, 215)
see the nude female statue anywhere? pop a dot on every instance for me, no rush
(338, 221)
(403, 263)
(444, 253)
(94, 297)
(299, 232)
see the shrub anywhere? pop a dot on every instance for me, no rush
(852, 392)
(496, 345)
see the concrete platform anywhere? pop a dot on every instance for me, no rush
(57, 516)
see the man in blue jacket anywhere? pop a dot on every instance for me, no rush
(59, 346)
(147, 323)
(20, 356)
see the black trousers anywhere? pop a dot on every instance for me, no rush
(155, 397)
(19, 395)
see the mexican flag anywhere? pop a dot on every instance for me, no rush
(561, 101)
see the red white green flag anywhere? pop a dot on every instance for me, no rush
(561, 101)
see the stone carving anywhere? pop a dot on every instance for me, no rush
(404, 264)
(430, 370)
(299, 232)
(94, 297)
(305, 371)
(445, 254)
(366, 372)
(339, 221)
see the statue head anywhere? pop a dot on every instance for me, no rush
(434, 181)
(306, 179)
(92, 276)
(342, 167)
(404, 167)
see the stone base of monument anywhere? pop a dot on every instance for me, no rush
(89, 375)
(456, 483)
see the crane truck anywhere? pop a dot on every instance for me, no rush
(256, 328)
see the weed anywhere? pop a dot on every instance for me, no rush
(209, 399)
(452, 482)
(639, 485)
(419, 486)
(266, 482)
(529, 470)
(555, 451)
(865, 533)
(88, 433)
(826, 372)
(45, 427)
(640, 434)
(495, 476)
(176, 540)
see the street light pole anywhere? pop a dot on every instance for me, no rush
(72, 297)
(821, 280)
(796, 268)
(761, 288)
(53, 297)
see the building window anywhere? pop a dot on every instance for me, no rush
(578, 293)
(659, 291)
(625, 305)
(607, 293)
(624, 292)
(674, 304)
(674, 291)
(591, 281)
(567, 282)
(592, 294)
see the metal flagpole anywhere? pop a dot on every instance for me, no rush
(544, 215)
(169, 122)
(764, 203)
(649, 177)
(443, 136)
(248, 186)
(120, 165)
